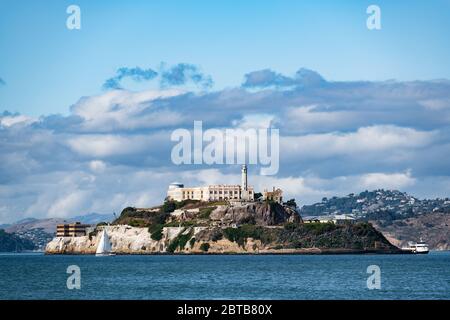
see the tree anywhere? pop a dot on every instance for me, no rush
(258, 195)
(169, 206)
(291, 203)
(204, 246)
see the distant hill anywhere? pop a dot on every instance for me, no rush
(377, 204)
(93, 218)
(4, 226)
(47, 225)
(399, 216)
(41, 231)
(13, 243)
(433, 228)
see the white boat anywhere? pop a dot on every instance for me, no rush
(104, 245)
(417, 247)
(421, 247)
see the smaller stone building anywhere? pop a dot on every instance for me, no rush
(274, 195)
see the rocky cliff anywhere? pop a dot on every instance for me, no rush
(219, 228)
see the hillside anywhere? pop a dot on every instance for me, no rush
(12, 243)
(41, 231)
(377, 203)
(433, 228)
(214, 227)
(399, 216)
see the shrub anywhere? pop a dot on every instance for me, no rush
(291, 226)
(137, 223)
(93, 233)
(159, 218)
(240, 235)
(180, 241)
(291, 203)
(217, 235)
(127, 211)
(186, 223)
(156, 231)
(320, 228)
(169, 206)
(204, 246)
(205, 212)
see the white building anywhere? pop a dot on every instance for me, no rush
(335, 218)
(217, 192)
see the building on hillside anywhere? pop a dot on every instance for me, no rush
(274, 195)
(336, 219)
(178, 192)
(71, 230)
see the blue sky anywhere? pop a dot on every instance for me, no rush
(90, 111)
(47, 67)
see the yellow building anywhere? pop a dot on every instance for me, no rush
(274, 195)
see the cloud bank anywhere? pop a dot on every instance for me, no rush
(267, 78)
(113, 149)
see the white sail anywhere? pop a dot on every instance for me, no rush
(104, 245)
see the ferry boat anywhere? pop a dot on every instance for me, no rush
(417, 247)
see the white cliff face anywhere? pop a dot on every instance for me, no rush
(124, 239)
(131, 240)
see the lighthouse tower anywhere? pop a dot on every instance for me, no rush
(244, 177)
(244, 185)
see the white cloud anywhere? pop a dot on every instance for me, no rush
(122, 109)
(68, 205)
(255, 121)
(107, 145)
(113, 150)
(307, 119)
(366, 139)
(8, 121)
(97, 166)
(436, 104)
(396, 181)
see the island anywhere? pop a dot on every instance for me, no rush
(199, 227)
(221, 219)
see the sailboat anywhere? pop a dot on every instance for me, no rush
(104, 245)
